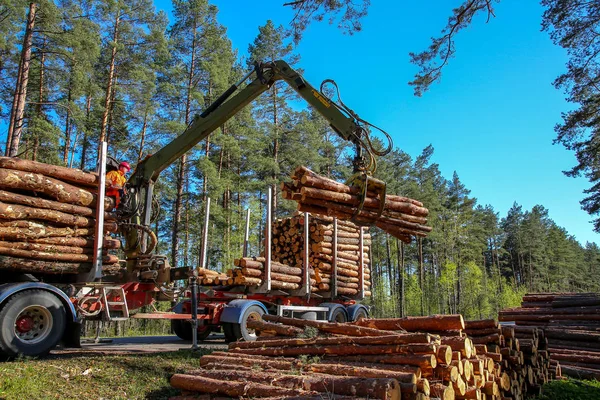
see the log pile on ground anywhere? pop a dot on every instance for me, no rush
(567, 324)
(401, 216)
(517, 351)
(409, 358)
(48, 217)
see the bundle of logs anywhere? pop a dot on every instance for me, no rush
(47, 219)
(568, 324)
(400, 216)
(409, 358)
(287, 259)
(288, 248)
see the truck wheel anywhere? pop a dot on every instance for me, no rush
(360, 314)
(183, 330)
(228, 332)
(240, 330)
(31, 323)
(338, 315)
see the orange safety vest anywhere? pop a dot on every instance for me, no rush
(116, 178)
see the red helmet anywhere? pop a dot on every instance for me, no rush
(126, 165)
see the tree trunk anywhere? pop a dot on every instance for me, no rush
(143, 137)
(86, 139)
(21, 89)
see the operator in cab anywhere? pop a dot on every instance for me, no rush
(115, 181)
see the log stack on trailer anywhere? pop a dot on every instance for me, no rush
(47, 220)
(567, 324)
(409, 358)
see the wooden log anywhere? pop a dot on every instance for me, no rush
(14, 198)
(230, 388)
(462, 344)
(379, 366)
(348, 370)
(426, 324)
(109, 243)
(481, 324)
(26, 230)
(331, 327)
(342, 350)
(49, 256)
(47, 248)
(423, 361)
(25, 265)
(57, 190)
(18, 212)
(251, 361)
(441, 391)
(75, 176)
(367, 340)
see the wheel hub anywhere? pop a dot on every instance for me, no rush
(24, 324)
(33, 324)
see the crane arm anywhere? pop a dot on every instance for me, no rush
(227, 106)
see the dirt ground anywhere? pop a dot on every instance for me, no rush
(141, 345)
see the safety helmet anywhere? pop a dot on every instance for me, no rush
(126, 165)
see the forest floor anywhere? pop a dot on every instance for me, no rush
(145, 376)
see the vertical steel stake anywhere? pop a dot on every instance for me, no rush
(96, 271)
(205, 234)
(267, 277)
(247, 234)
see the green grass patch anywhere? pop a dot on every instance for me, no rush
(571, 389)
(93, 376)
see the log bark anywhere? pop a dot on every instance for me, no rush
(430, 324)
(109, 243)
(348, 370)
(38, 202)
(342, 350)
(279, 329)
(46, 248)
(72, 175)
(25, 265)
(58, 190)
(229, 388)
(46, 256)
(18, 212)
(27, 230)
(368, 340)
(423, 361)
(331, 327)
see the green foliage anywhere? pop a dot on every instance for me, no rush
(309, 332)
(570, 389)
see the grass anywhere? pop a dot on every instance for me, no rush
(131, 376)
(571, 389)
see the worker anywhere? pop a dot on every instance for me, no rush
(115, 181)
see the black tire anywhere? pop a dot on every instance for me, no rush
(360, 314)
(228, 332)
(183, 330)
(240, 331)
(338, 315)
(32, 322)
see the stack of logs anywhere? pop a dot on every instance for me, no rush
(400, 216)
(568, 324)
(521, 354)
(47, 220)
(288, 248)
(409, 358)
(287, 258)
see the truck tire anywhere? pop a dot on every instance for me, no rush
(228, 332)
(31, 323)
(360, 314)
(240, 331)
(338, 315)
(183, 330)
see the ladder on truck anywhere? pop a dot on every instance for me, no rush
(114, 296)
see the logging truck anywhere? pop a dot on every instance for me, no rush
(39, 309)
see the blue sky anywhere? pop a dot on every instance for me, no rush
(490, 118)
